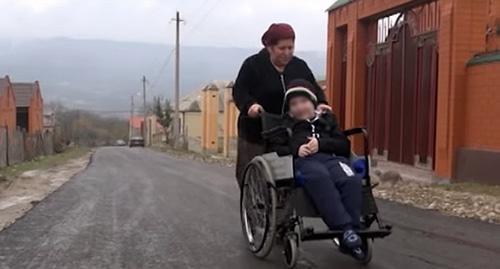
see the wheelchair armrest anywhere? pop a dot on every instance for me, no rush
(366, 148)
(358, 130)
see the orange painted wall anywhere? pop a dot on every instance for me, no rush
(461, 35)
(210, 112)
(36, 112)
(8, 110)
(482, 107)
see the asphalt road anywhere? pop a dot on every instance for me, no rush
(135, 208)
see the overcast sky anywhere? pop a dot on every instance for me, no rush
(234, 23)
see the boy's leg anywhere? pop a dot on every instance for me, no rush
(349, 186)
(323, 192)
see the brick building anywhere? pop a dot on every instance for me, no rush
(424, 77)
(29, 106)
(7, 104)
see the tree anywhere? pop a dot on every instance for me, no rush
(164, 113)
(87, 128)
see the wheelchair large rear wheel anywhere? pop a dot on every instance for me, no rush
(258, 207)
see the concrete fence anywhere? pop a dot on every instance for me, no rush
(17, 146)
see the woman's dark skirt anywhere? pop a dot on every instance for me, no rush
(246, 152)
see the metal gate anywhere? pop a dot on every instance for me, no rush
(401, 86)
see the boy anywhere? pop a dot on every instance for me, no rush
(320, 150)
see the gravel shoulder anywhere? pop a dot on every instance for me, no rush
(29, 183)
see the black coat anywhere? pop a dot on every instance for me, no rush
(259, 82)
(325, 128)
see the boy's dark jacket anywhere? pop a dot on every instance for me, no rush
(331, 139)
(259, 82)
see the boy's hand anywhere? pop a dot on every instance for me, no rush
(313, 145)
(324, 108)
(304, 151)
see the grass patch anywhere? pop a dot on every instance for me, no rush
(42, 162)
(472, 188)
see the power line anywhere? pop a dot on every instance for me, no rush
(166, 62)
(195, 27)
(203, 18)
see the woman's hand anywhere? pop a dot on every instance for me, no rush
(255, 110)
(313, 145)
(324, 108)
(304, 151)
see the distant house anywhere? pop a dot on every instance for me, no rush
(29, 106)
(190, 107)
(136, 125)
(7, 104)
(154, 132)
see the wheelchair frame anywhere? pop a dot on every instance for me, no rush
(272, 207)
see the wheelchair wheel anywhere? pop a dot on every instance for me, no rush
(258, 207)
(290, 251)
(368, 250)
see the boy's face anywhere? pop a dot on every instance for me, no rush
(301, 108)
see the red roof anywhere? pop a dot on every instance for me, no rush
(137, 121)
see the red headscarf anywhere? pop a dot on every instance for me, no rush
(277, 32)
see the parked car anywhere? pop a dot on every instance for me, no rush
(136, 141)
(120, 143)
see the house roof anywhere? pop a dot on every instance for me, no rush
(338, 3)
(137, 121)
(3, 85)
(192, 101)
(23, 92)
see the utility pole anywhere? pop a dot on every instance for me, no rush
(144, 132)
(177, 20)
(131, 126)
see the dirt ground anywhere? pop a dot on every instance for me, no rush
(18, 195)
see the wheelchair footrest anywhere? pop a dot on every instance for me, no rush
(309, 236)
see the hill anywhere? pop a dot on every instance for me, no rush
(101, 74)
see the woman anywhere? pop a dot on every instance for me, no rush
(261, 86)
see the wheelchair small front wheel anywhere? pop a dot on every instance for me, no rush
(368, 251)
(291, 251)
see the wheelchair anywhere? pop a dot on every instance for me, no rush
(272, 206)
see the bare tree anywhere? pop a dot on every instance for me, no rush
(164, 114)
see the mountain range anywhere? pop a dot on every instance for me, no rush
(102, 75)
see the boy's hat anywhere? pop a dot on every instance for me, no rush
(299, 87)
